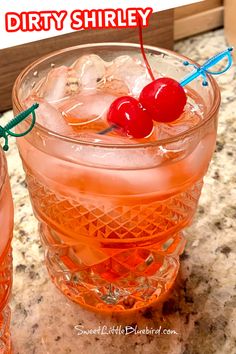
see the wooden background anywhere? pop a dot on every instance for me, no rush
(199, 17)
(14, 59)
(230, 24)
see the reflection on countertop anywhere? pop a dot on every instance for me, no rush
(201, 311)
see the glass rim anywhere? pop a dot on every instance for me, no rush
(38, 127)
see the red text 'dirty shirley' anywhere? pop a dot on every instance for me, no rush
(79, 19)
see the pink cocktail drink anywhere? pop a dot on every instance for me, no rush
(6, 232)
(112, 209)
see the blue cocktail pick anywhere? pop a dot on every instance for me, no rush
(204, 69)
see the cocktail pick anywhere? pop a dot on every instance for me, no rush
(6, 130)
(204, 69)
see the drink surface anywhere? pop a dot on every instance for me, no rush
(74, 99)
(112, 207)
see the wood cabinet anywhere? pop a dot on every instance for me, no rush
(230, 24)
(197, 18)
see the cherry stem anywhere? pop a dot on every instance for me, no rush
(143, 51)
(108, 130)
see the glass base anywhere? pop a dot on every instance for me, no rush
(126, 279)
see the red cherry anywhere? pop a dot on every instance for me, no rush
(127, 114)
(164, 99)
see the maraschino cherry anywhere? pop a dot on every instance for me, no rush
(128, 117)
(164, 99)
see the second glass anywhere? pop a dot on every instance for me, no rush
(6, 232)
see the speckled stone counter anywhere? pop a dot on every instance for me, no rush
(202, 310)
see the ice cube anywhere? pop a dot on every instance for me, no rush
(129, 70)
(84, 108)
(100, 153)
(113, 171)
(182, 147)
(95, 138)
(59, 83)
(90, 69)
(113, 86)
(190, 118)
(49, 117)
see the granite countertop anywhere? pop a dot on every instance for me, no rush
(202, 308)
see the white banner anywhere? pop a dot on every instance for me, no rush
(23, 21)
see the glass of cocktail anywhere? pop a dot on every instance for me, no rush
(111, 209)
(6, 232)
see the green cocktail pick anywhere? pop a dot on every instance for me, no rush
(6, 130)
